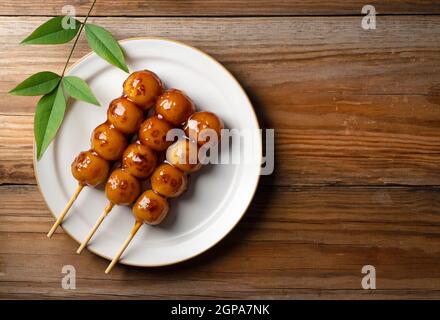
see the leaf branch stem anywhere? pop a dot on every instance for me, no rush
(77, 38)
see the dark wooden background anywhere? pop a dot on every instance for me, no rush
(357, 180)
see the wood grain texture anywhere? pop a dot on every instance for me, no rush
(293, 242)
(16, 140)
(284, 62)
(346, 108)
(218, 7)
(357, 126)
(301, 159)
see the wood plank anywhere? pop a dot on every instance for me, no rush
(218, 7)
(326, 63)
(388, 157)
(16, 140)
(347, 109)
(292, 243)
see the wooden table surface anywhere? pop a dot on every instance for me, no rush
(357, 126)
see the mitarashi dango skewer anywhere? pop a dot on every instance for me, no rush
(169, 179)
(109, 140)
(123, 186)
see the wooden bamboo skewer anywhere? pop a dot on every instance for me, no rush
(104, 214)
(124, 246)
(66, 209)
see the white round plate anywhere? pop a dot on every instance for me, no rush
(217, 196)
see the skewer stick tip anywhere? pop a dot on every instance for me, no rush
(66, 209)
(101, 218)
(123, 247)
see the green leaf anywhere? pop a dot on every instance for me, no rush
(37, 84)
(105, 46)
(48, 118)
(78, 89)
(53, 32)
